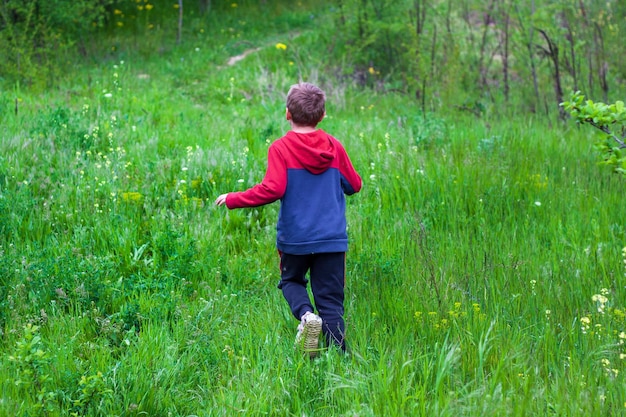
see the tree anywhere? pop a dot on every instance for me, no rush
(610, 120)
(35, 32)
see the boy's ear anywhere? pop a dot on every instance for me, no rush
(287, 114)
(323, 115)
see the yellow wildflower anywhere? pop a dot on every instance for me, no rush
(280, 45)
(132, 196)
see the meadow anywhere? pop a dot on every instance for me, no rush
(485, 274)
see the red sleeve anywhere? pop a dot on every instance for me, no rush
(349, 174)
(272, 187)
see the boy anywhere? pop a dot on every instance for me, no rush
(310, 173)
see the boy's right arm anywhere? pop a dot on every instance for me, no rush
(269, 190)
(221, 200)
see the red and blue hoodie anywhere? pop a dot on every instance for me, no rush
(310, 173)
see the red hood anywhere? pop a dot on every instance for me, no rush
(315, 151)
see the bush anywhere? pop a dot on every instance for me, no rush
(34, 32)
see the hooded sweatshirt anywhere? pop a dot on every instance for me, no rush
(310, 173)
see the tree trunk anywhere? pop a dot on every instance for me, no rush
(553, 53)
(505, 56)
(482, 70)
(531, 55)
(602, 64)
(179, 34)
(573, 64)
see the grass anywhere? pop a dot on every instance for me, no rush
(484, 274)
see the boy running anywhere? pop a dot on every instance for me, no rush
(310, 172)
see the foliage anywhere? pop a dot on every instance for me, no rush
(34, 34)
(610, 119)
(32, 362)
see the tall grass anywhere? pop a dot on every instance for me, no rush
(485, 271)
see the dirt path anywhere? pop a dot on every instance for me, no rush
(234, 59)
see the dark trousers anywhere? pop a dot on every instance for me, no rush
(327, 272)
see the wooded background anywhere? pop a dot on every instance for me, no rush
(522, 56)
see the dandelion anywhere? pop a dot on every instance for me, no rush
(234, 5)
(281, 46)
(371, 70)
(149, 7)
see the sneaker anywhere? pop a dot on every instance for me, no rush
(308, 334)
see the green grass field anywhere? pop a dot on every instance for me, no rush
(486, 266)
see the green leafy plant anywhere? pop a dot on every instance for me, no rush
(32, 361)
(610, 119)
(92, 389)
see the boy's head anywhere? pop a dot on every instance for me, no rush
(306, 104)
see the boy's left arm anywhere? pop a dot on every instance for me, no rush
(351, 182)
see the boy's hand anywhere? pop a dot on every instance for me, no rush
(221, 200)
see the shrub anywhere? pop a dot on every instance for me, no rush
(34, 32)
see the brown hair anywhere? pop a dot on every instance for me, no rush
(306, 103)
